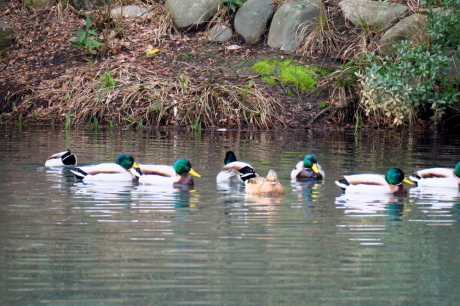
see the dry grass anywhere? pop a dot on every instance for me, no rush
(320, 36)
(139, 98)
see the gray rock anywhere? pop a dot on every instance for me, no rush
(409, 28)
(373, 14)
(128, 11)
(191, 13)
(6, 32)
(220, 33)
(453, 72)
(91, 4)
(251, 19)
(283, 32)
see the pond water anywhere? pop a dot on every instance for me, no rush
(63, 242)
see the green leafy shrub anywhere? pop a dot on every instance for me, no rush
(84, 39)
(298, 77)
(395, 89)
(233, 4)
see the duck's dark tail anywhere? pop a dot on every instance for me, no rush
(79, 174)
(69, 159)
(247, 173)
(343, 184)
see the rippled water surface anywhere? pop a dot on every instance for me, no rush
(63, 242)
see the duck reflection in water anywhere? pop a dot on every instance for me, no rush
(372, 205)
(306, 189)
(158, 197)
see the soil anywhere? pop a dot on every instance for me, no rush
(41, 57)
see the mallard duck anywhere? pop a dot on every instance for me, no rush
(391, 183)
(121, 170)
(178, 174)
(260, 185)
(234, 171)
(437, 177)
(65, 158)
(308, 168)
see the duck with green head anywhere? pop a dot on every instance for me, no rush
(120, 171)
(234, 170)
(308, 168)
(390, 183)
(438, 177)
(179, 174)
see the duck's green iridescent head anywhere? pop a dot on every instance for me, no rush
(125, 160)
(310, 162)
(457, 169)
(230, 157)
(183, 166)
(395, 176)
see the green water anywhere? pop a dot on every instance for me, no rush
(67, 243)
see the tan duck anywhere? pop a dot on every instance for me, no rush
(269, 185)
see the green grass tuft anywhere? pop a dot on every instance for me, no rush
(298, 77)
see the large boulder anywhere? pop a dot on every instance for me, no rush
(373, 14)
(288, 18)
(191, 13)
(6, 32)
(251, 19)
(409, 28)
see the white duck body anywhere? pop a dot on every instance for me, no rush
(158, 175)
(179, 174)
(369, 183)
(436, 177)
(64, 158)
(108, 172)
(231, 172)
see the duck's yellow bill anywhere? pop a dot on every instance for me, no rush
(315, 168)
(408, 181)
(137, 170)
(192, 172)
